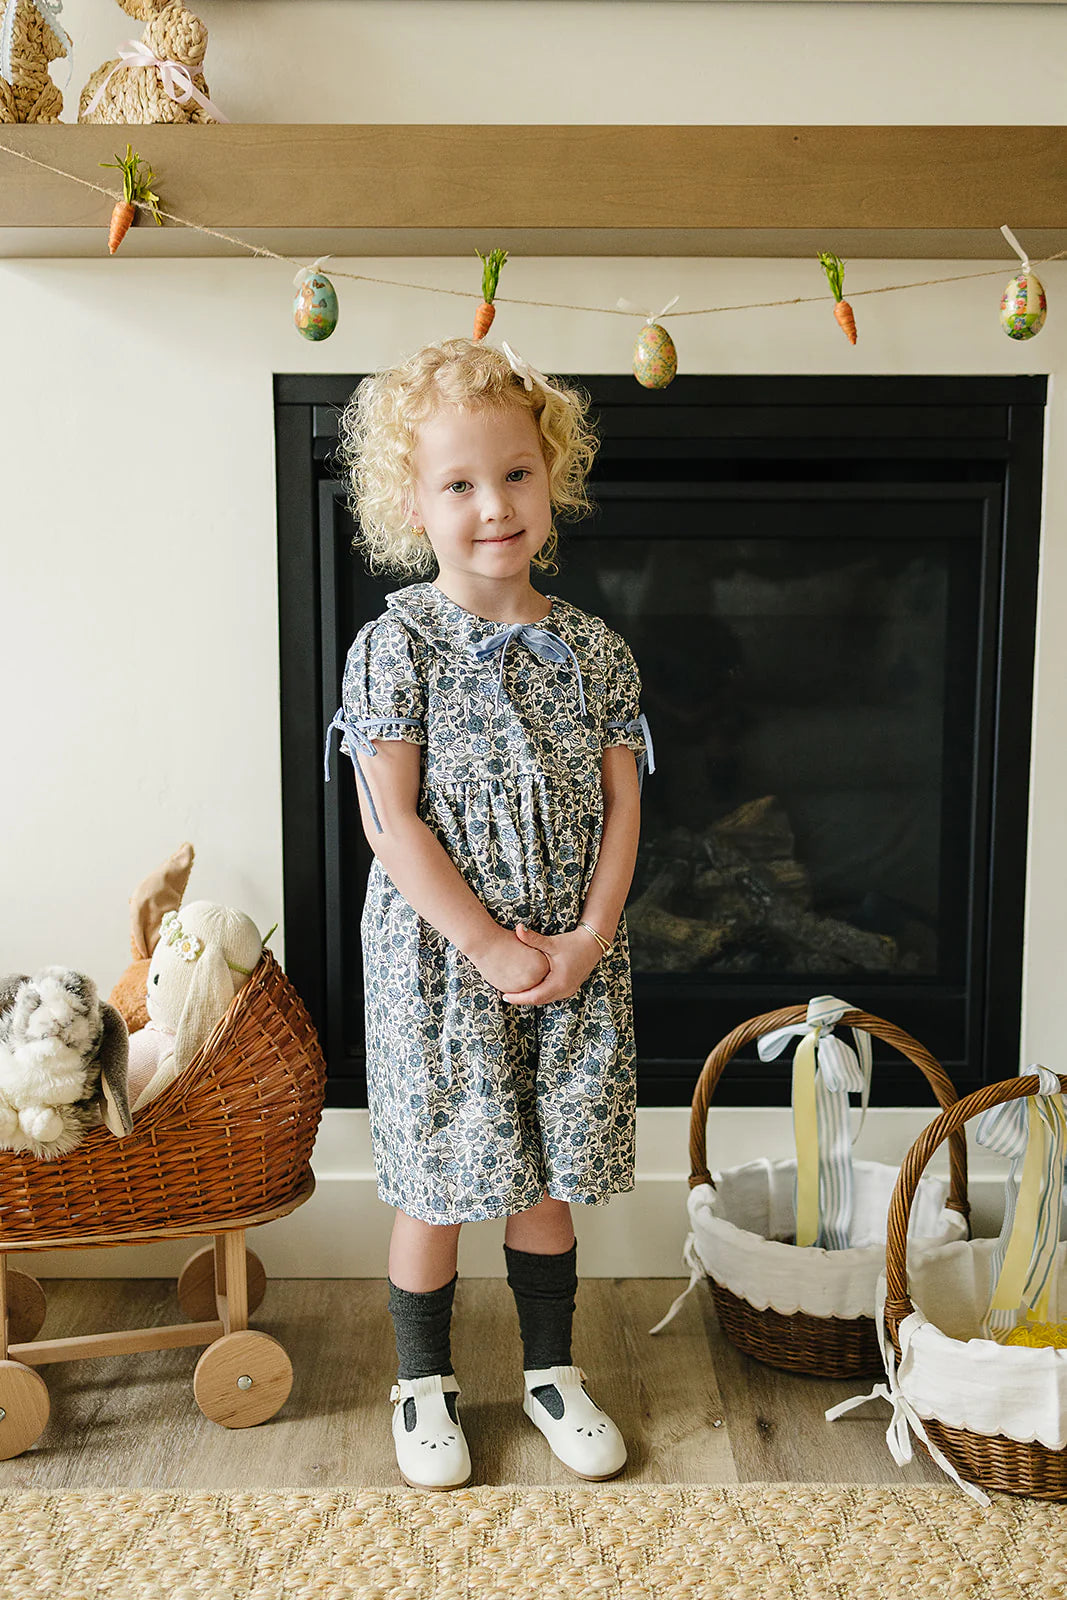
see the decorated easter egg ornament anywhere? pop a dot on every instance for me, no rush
(655, 358)
(315, 309)
(1023, 306)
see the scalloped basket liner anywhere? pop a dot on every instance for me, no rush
(952, 1375)
(739, 1227)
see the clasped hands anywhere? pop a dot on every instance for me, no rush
(530, 969)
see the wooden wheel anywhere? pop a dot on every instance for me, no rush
(196, 1284)
(23, 1408)
(242, 1379)
(25, 1307)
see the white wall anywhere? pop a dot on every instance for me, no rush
(614, 60)
(138, 649)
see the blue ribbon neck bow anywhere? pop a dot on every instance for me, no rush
(548, 646)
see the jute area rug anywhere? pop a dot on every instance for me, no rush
(662, 1542)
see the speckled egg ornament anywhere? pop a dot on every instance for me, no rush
(655, 358)
(315, 309)
(1023, 307)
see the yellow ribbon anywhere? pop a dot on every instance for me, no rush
(1009, 1292)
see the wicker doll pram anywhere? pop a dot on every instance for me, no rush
(993, 1460)
(827, 1346)
(225, 1146)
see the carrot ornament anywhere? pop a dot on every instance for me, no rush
(491, 265)
(834, 268)
(137, 191)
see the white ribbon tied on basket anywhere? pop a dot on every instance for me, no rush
(177, 83)
(904, 1416)
(1033, 1133)
(696, 1272)
(49, 11)
(825, 1071)
(529, 374)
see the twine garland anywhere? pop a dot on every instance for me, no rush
(548, 305)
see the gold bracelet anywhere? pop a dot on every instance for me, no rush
(601, 941)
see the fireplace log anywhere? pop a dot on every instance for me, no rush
(733, 898)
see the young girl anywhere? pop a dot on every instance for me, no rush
(499, 1023)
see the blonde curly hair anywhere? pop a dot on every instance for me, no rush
(379, 428)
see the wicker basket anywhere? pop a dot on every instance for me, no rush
(229, 1138)
(820, 1347)
(992, 1461)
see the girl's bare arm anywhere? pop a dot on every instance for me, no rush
(412, 855)
(614, 871)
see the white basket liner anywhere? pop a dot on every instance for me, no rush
(733, 1227)
(949, 1372)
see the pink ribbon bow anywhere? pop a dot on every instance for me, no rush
(176, 80)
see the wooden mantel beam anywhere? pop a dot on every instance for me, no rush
(429, 188)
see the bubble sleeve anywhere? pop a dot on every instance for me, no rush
(625, 723)
(382, 696)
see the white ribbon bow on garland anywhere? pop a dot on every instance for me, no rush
(825, 1072)
(649, 316)
(1033, 1132)
(529, 374)
(49, 12)
(177, 82)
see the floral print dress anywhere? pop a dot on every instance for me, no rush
(477, 1106)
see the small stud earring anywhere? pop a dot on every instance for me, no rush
(420, 533)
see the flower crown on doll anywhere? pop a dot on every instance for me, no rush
(187, 945)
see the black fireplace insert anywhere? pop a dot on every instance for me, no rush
(830, 586)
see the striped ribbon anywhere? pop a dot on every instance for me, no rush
(825, 1072)
(1033, 1133)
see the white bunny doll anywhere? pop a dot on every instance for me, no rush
(205, 954)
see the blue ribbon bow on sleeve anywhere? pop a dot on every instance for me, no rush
(355, 738)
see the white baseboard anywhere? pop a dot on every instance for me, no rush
(343, 1230)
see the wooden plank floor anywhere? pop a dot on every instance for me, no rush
(691, 1408)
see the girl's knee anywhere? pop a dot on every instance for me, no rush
(435, 1230)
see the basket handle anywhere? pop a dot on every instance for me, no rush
(949, 1125)
(917, 1054)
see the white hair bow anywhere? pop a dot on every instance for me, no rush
(530, 375)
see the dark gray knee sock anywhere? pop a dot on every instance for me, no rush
(544, 1288)
(422, 1324)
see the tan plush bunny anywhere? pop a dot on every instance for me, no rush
(30, 37)
(157, 78)
(160, 892)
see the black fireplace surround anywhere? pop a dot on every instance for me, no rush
(830, 587)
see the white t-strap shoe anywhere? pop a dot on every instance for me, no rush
(582, 1436)
(432, 1452)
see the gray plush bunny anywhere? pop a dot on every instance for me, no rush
(63, 1058)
